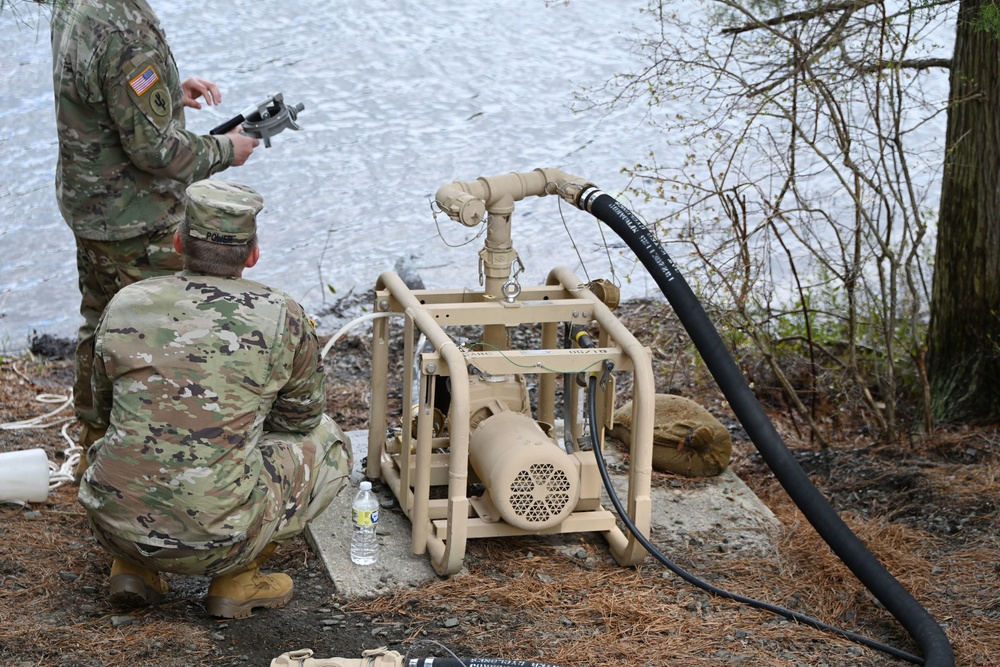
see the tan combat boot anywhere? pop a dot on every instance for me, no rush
(237, 594)
(134, 585)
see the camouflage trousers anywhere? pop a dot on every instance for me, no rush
(104, 267)
(302, 474)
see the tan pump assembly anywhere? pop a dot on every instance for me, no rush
(466, 451)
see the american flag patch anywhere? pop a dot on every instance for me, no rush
(141, 83)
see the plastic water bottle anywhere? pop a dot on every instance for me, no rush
(364, 543)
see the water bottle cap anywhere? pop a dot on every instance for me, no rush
(366, 486)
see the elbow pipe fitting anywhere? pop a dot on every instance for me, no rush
(468, 201)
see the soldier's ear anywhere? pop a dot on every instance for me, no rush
(177, 242)
(252, 259)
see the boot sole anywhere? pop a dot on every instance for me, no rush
(229, 608)
(129, 589)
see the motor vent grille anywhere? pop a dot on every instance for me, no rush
(540, 493)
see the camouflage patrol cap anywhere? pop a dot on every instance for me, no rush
(222, 212)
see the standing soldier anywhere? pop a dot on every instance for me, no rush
(124, 156)
(211, 389)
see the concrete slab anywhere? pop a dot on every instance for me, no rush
(720, 514)
(330, 536)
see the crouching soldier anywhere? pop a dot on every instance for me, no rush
(212, 389)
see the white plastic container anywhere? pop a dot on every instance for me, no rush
(364, 541)
(24, 476)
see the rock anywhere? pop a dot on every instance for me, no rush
(408, 272)
(51, 347)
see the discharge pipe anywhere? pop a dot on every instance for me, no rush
(925, 631)
(469, 201)
(492, 199)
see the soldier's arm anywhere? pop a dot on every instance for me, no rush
(136, 86)
(300, 403)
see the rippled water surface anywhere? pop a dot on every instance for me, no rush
(400, 98)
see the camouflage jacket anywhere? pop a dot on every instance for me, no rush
(189, 370)
(124, 155)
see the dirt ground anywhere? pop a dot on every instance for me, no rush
(927, 507)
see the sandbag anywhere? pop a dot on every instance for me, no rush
(687, 439)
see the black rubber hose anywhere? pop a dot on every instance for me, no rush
(920, 625)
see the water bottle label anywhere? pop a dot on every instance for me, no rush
(363, 518)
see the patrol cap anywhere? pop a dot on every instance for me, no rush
(222, 212)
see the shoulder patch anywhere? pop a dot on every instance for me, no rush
(159, 102)
(144, 81)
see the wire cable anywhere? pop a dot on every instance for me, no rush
(704, 585)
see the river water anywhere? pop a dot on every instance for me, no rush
(401, 97)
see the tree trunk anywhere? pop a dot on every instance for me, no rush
(964, 336)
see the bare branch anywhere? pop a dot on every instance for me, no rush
(825, 43)
(913, 63)
(806, 15)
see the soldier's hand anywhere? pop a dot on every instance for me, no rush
(242, 145)
(194, 88)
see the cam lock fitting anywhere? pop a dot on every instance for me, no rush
(582, 337)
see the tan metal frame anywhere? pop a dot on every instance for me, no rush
(420, 463)
(442, 527)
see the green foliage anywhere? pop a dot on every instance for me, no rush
(824, 349)
(988, 20)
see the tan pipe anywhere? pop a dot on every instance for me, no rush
(468, 201)
(380, 657)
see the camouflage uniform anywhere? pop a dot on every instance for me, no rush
(212, 390)
(124, 155)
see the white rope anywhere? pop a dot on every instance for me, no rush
(65, 473)
(36, 422)
(58, 474)
(350, 325)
